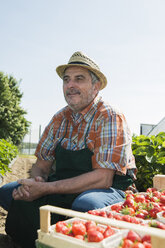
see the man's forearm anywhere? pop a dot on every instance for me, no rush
(41, 168)
(98, 178)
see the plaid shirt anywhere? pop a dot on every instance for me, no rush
(99, 126)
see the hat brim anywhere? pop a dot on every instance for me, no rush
(61, 69)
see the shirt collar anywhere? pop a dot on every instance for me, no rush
(90, 109)
(86, 113)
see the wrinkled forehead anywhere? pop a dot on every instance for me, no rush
(76, 70)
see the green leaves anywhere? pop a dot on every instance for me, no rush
(7, 152)
(13, 125)
(149, 152)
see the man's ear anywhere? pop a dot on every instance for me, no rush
(98, 86)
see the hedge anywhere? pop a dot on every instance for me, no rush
(8, 152)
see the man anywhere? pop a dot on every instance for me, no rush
(91, 145)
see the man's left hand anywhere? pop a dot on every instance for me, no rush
(29, 190)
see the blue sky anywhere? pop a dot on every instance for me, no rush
(126, 38)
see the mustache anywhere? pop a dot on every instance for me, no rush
(72, 91)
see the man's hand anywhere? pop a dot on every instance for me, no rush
(30, 189)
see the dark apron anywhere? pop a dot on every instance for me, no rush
(23, 217)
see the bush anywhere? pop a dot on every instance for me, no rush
(13, 124)
(149, 152)
(7, 153)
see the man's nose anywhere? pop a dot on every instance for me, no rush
(71, 83)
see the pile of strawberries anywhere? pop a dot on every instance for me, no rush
(88, 231)
(134, 240)
(140, 205)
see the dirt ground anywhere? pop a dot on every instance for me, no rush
(20, 169)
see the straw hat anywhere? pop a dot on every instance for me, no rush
(82, 60)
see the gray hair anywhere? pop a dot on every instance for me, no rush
(94, 77)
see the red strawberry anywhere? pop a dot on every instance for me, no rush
(139, 198)
(108, 232)
(146, 238)
(128, 210)
(147, 245)
(151, 190)
(138, 245)
(78, 229)
(129, 203)
(127, 243)
(162, 199)
(163, 214)
(133, 236)
(79, 237)
(95, 236)
(116, 207)
(90, 224)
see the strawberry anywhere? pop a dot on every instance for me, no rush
(108, 232)
(60, 225)
(118, 217)
(127, 243)
(126, 218)
(79, 237)
(139, 198)
(90, 224)
(94, 212)
(151, 190)
(100, 229)
(146, 238)
(78, 229)
(116, 207)
(163, 214)
(162, 199)
(103, 213)
(140, 215)
(133, 236)
(153, 212)
(147, 244)
(128, 210)
(138, 245)
(95, 236)
(129, 203)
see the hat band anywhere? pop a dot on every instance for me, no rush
(78, 62)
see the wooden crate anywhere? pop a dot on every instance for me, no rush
(46, 240)
(159, 182)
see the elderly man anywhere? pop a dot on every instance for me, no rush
(90, 143)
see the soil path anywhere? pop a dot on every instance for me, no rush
(20, 169)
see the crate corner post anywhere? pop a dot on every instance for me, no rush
(44, 219)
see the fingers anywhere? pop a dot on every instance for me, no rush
(21, 192)
(26, 181)
(39, 179)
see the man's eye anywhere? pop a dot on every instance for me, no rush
(65, 80)
(79, 78)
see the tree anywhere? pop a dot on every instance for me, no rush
(13, 125)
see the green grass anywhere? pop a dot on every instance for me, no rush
(26, 156)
